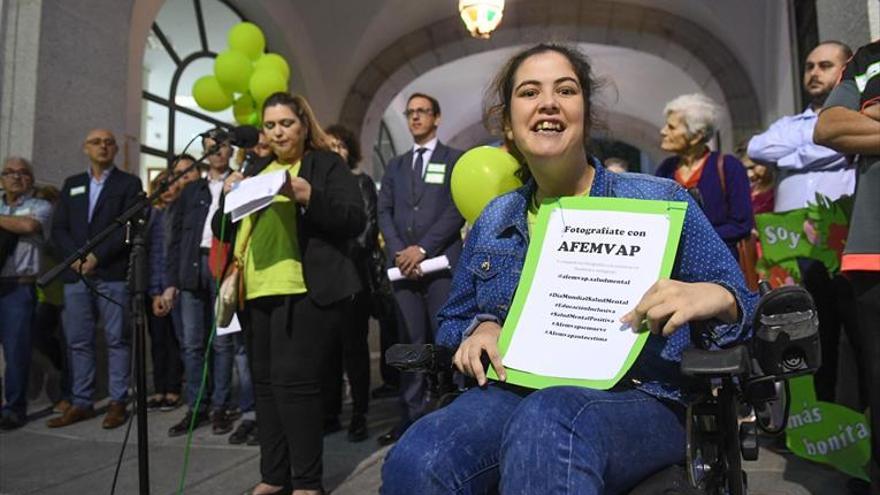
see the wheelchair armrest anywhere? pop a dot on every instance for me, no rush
(417, 357)
(724, 362)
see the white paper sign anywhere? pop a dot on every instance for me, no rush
(234, 326)
(594, 267)
(253, 194)
(430, 265)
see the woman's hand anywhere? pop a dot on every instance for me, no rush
(669, 304)
(297, 189)
(160, 309)
(468, 356)
(231, 180)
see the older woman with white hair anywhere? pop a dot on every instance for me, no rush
(719, 182)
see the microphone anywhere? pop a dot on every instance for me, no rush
(243, 136)
(249, 158)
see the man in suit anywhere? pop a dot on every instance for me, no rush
(89, 202)
(418, 221)
(190, 240)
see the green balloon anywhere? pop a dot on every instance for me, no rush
(247, 38)
(273, 62)
(233, 69)
(264, 83)
(243, 109)
(481, 175)
(210, 95)
(254, 120)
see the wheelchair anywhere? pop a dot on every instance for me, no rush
(743, 386)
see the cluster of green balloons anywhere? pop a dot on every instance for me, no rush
(243, 76)
(481, 175)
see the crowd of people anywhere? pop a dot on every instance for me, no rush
(311, 271)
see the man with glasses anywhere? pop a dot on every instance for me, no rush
(418, 221)
(89, 203)
(22, 221)
(191, 239)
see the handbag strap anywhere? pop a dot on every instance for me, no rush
(247, 239)
(719, 164)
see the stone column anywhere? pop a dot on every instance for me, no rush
(844, 20)
(64, 72)
(21, 42)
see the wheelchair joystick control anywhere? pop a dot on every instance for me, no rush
(786, 341)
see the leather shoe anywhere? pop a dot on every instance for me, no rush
(357, 430)
(116, 416)
(392, 436)
(221, 422)
(61, 406)
(254, 436)
(182, 426)
(11, 421)
(73, 415)
(243, 432)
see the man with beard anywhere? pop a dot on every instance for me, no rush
(805, 169)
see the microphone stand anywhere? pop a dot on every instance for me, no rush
(134, 219)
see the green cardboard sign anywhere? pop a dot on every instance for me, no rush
(674, 211)
(827, 433)
(818, 232)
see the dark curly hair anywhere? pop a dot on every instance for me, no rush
(345, 135)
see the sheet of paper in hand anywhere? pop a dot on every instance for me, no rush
(589, 262)
(253, 194)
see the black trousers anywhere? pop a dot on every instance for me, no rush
(165, 350)
(836, 307)
(866, 287)
(289, 340)
(353, 356)
(388, 336)
(418, 303)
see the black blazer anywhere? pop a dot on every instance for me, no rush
(187, 221)
(327, 229)
(71, 227)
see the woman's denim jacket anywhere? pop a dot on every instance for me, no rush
(488, 272)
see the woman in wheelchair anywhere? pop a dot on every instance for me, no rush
(499, 437)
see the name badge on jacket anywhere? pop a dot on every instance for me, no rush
(435, 173)
(76, 191)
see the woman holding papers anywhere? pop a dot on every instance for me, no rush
(298, 284)
(564, 439)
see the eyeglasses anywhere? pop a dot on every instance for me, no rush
(423, 112)
(16, 173)
(99, 142)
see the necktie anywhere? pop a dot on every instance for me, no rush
(419, 163)
(417, 182)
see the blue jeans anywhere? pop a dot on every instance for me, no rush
(245, 383)
(197, 313)
(79, 322)
(552, 441)
(17, 303)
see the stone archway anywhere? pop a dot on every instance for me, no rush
(680, 41)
